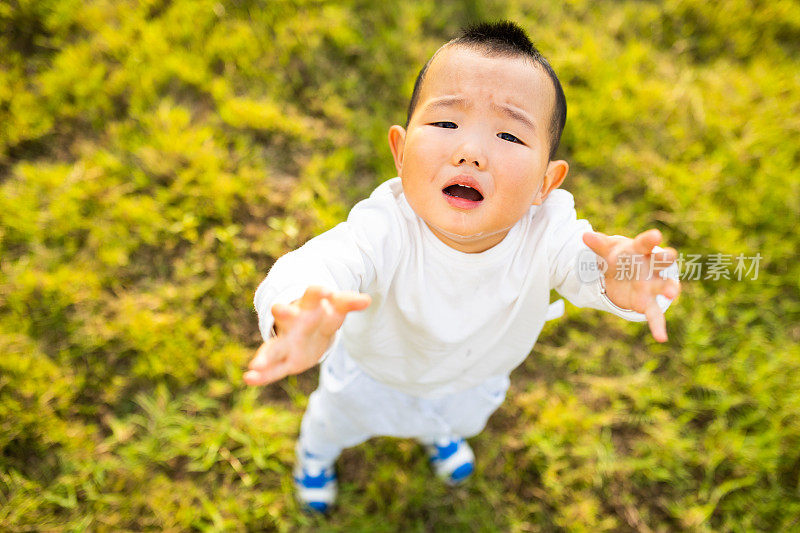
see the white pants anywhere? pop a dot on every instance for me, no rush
(349, 407)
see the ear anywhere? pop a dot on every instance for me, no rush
(397, 140)
(553, 178)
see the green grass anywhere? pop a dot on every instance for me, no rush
(156, 157)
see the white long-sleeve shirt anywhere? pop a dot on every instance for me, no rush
(440, 320)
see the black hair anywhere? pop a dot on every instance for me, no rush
(506, 39)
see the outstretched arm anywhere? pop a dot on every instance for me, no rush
(637, 292)
(305, 329)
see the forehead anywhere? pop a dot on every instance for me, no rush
(470, 72)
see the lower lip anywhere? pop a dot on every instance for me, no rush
(461, 203)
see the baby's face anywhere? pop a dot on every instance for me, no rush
(475, 156)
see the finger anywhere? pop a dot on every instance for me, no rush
(656, 321)
(670, 288)
(260, 359)
(283, 313)
(347, 301)
(267, 365)
(266, 355)
(265, 376)
(600, 243)
(312, 297)
(644, 242)
(664, 258)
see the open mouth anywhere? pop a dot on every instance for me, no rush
(463, 192)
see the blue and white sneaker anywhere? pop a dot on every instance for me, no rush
(451, 459)
(314, 481)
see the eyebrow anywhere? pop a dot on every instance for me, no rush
(515, 114)
(510, 111)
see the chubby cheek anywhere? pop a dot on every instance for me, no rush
(424, 154)
(418, 171)
(514, 207)
(519, 190)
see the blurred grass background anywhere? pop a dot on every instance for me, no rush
(157, 156)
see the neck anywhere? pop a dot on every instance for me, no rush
(470, 244)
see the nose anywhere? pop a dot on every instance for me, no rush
(470, 152)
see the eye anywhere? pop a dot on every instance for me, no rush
(510, 138)
(445, 124)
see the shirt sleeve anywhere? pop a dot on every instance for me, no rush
(347, 257)
(574, 271)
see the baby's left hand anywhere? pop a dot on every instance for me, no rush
(635, 287)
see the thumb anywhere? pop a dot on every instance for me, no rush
(599, 243)
(344, 302)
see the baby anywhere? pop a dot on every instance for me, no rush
(450, 266)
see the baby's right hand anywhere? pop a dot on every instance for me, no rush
(305, 329)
